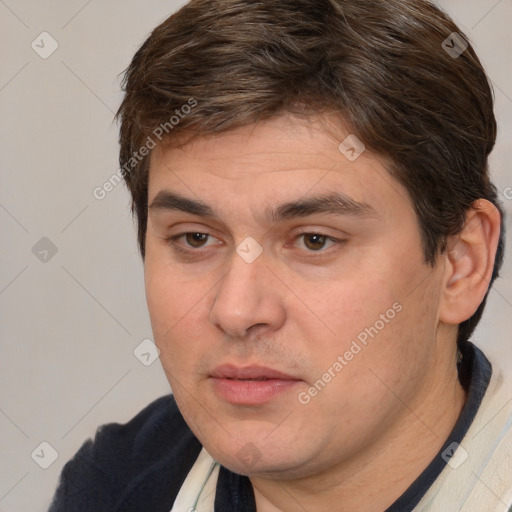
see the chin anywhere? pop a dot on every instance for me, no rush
(252, 452)
(250, 461)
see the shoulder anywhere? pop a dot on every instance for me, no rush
(488, 444)
(140, 441)
(480, 468)
(127, 464)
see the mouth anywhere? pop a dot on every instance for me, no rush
(250, 385)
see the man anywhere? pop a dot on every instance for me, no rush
(319, 234)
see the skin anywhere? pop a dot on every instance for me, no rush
(366, 436)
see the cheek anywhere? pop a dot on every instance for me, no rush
(171, 293)
(369, 322)
(176, 307)
(353, 305)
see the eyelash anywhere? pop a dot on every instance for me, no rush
(190, 250)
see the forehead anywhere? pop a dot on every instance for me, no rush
(282, 158)
(276, 141)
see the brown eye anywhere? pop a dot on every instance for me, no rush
(196, 239)
(314, 241)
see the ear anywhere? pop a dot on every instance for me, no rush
(469, 262)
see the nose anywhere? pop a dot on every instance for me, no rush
(248, 300)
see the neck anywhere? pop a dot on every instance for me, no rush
(373, 480)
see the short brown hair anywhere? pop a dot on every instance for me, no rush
(379, 64)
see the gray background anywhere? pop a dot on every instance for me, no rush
(70, 321)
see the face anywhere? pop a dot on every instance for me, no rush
(288, 295)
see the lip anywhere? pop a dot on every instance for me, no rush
(250, 385)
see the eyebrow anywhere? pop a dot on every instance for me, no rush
(333, 203)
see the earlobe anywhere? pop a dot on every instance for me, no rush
(469, 261)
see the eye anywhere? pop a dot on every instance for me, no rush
(316, 242)
(194, 240)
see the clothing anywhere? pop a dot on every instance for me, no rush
(142, 465)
